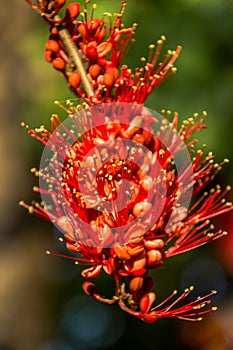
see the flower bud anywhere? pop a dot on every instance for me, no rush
(147, 301)
(52, 45)
(59, 64)
(82, 29)
(135, 250)
(136, 284)
(108, 79)
(154, 244)
(139, 262)
(121, 253)
(54, 31)
(94, 70)
(74, 79)
(72, 11)
(153, 257)
(48, 55)
(91, 51)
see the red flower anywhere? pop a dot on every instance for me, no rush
(120, 177)
(117, 155)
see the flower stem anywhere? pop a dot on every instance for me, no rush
(75, 56)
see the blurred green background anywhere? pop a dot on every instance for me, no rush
(42, 305)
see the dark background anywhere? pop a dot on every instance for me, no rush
(42, 305)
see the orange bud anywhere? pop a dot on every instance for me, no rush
(121, 253)
(74, 79)
(72, 10)
(154, 244)
(153, 257)
(135, 250)
(139, 262)
(82, 29)
(54, 31)
(108, 79)
(53, 46)
(48, 55)
(58, 63)
(94, 70)
(147, 301)
(136, 284)
(113, 71)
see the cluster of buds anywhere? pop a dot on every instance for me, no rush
(89, 51)
(121, 210)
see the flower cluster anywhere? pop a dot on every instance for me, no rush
(88, 51)
(101, 45)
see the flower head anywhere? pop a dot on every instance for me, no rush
(117, 178)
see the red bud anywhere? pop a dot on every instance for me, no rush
(91, 51)
(146, 302)
(82, 29)
(72, 10)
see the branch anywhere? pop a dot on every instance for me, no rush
(72, 51)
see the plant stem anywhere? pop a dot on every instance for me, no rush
(72, 51)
